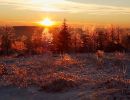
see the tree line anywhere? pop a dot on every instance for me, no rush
(64, 40)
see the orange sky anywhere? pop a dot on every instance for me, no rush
(101, 12)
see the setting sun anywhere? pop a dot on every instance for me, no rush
(46, 22)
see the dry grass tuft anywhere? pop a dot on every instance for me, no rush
(112, 88)
(59, 85)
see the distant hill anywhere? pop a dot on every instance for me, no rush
(27, 30)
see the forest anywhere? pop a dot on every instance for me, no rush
(24, 40)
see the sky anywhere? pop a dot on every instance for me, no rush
(102, 12)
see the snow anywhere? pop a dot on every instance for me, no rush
(25, 76)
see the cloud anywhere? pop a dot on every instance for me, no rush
(64, 6)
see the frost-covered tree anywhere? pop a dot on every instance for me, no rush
(7, 39)
(64, 39)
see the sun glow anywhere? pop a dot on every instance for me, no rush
(47, 22)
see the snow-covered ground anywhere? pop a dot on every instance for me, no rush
(67, 77)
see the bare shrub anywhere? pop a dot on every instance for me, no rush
(100, 58)
(2, 70)
(119, 63)
(65, 60)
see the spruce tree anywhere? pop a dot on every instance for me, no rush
(64, 39)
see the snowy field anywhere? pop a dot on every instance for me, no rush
(67, 77)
